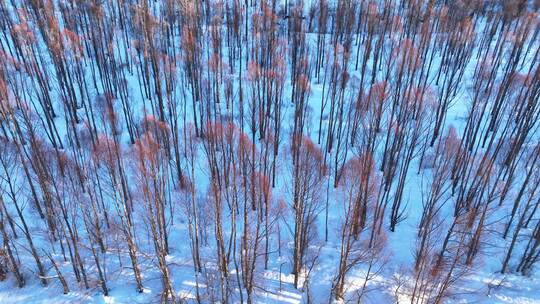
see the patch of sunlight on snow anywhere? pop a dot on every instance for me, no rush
(193, 284)
(291, 294)
(286, 297)
(516, 300)
(186, 295)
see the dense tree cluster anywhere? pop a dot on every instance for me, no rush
(265, 131)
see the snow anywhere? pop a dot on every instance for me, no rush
(484, 283)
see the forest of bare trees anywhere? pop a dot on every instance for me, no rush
(204, 151)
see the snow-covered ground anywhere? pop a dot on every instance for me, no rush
(482, 284)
